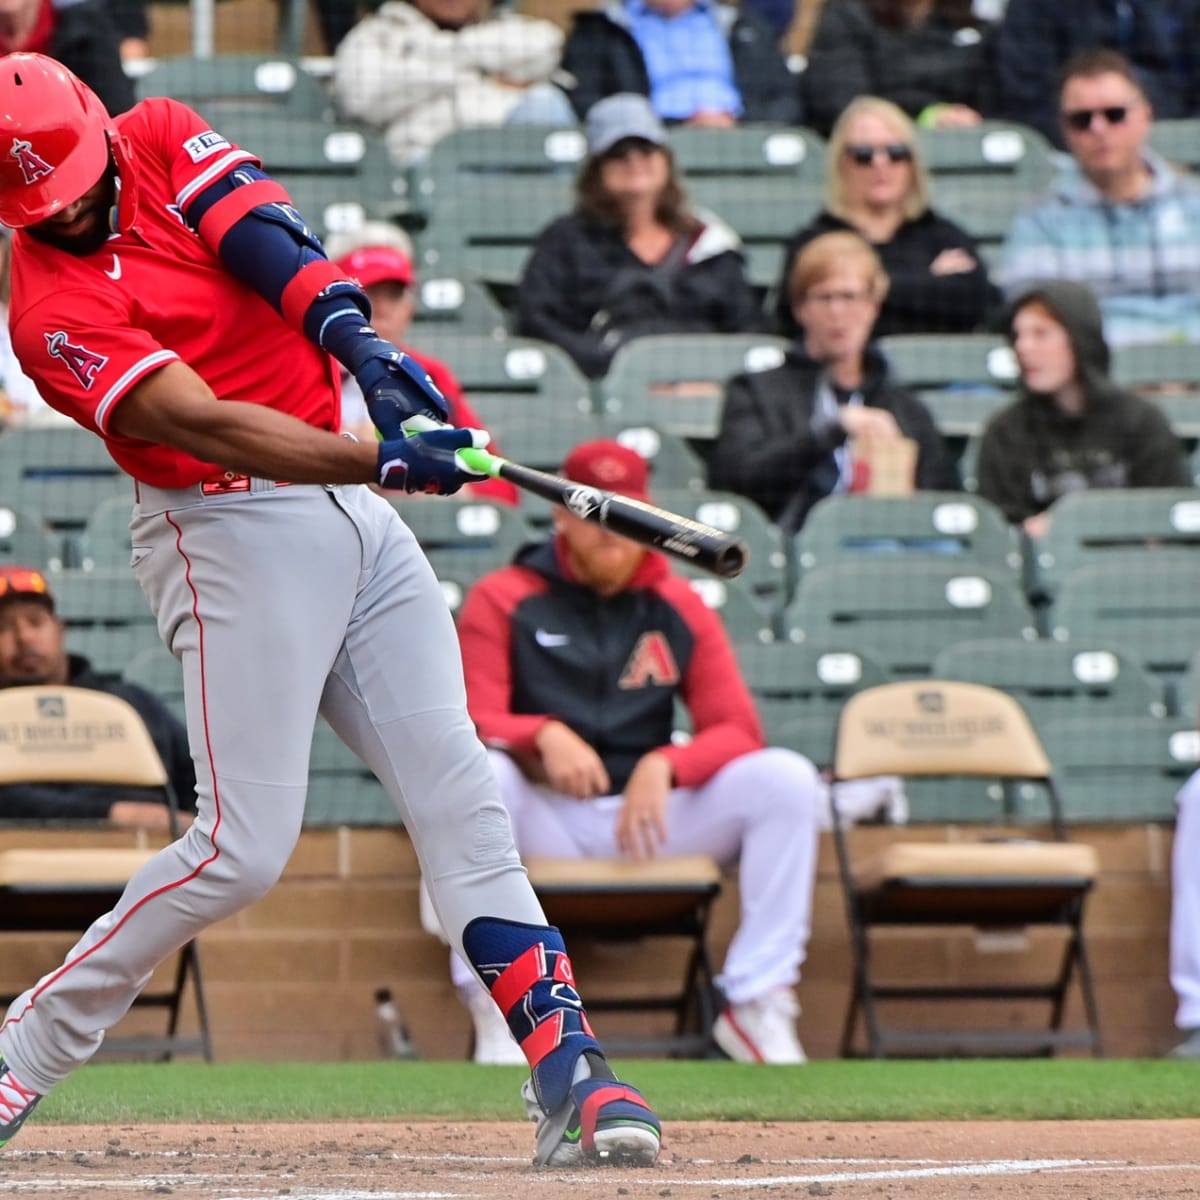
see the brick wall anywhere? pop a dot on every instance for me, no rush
(292, 976)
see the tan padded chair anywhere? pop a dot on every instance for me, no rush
(1020, 874)
(617, 900)
(79, 735)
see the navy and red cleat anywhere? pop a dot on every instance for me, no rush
(16, 1103)
(602, 1122)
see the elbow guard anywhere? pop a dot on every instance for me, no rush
(247, 219)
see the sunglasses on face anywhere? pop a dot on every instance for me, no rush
(1080, 119)
(21, 581)
(863, 154)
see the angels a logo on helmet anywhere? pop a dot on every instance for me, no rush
(33, 166)
(83, 363)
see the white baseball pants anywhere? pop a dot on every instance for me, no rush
(759, 812)
(1185, 906)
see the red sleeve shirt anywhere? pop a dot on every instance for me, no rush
(88, 329)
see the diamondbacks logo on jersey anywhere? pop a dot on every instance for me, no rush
(83, 363)
(33, 166)
(650, 663)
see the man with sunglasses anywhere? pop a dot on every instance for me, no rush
(33, 653)
(1118, 217)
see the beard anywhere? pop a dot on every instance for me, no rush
(90, 239)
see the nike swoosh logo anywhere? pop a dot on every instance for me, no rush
(115, 273)
(543, 638)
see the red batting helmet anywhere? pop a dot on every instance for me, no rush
(53, 138)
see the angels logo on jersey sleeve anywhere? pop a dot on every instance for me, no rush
(83, 363)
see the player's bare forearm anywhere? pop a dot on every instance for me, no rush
(175, 407)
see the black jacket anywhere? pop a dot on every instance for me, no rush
(777, 449)
(937, 61)
(1037, 37)
(86, 41)
(584, 290)
(85, 802)
(917, 301)
(602, 57)
(1032, 452)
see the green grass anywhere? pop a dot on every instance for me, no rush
(680, 1091)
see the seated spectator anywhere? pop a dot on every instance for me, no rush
(789, 435)
(1070, 427)
(878, 188)
(386, 274)
(580, 727)
(1036, 39)
(700, 62)
(419, 70)
(1185, 920)
(931, 58)
(33, 653)
(83, 37)
(1118, 217)
(632, 258)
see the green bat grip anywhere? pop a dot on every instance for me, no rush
(480, 461)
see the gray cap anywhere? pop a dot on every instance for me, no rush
(625, 115)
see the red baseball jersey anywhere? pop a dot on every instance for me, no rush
(86, 330)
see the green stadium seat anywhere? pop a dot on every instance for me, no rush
(907, 611)
(1169, 375)
(26, 540)
(677, 381)
(953, 527)
(799, 689)
(341, 789)
(1131, 525)
(988, 151)
(106, 541)
(1178, 140)
(1121, 768)
(158, 670)
(462, 305)
(1053, 680)
(963, 379)
(471, 525)
(106, 614)
(1144, 601)
(744, 619)
(984, 206)
(234, 83)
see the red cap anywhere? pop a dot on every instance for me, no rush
(609, 465)
(377, 264)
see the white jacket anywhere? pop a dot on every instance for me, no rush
(399, 72)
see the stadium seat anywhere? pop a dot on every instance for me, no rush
(952, 892)
(26, 540)
(234, 83)
(1169, 375)
(676, 381)
(1130, 525)
(986, 152)
(341, 789)
(1121, 768)
(1177, 139)
(744, 619)
(461, 305)
(800, 688)
(1055, 680)
(466, 524)
(984, 207)
(947, 527)
(766, 573)
(1144, 601)
(158, 671)
(107, 617)
(907, 611)
(963, 379)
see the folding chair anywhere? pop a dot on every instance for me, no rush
(995, 885)
(613, 900)
(79, 735)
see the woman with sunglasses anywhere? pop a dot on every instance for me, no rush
(632, 258)
(877, 187)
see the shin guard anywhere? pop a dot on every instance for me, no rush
(527, 970)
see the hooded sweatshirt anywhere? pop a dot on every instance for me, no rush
(1033, 452)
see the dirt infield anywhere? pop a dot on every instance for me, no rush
(709, 1161)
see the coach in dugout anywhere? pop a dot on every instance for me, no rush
(575, 656)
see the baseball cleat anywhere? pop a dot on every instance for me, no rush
(762, 1030)
(16, 1103)
(603, 1122)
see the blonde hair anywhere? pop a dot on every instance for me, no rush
(917, 200)
(825, 254)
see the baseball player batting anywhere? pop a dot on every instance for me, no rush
(167, 296)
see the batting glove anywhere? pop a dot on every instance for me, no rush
(428, 462)
(395, 386)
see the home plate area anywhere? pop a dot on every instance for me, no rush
(1092, 1160)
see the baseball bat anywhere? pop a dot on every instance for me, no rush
(692, 541)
